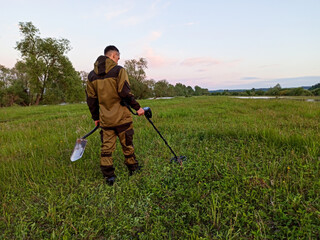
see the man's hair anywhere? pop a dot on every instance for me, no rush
(110, 48)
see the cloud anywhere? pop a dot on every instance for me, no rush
(185, 24)
(148, 38)
(202, 70)
(135, 20)
(147, 12)
(159, 5)
(155, 59)
(115, 14)
(250, 78)
(269, 65)
(200, 61)
(154, 36)
(131, 15)
(190, 24)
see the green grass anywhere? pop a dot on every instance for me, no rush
(253, 172)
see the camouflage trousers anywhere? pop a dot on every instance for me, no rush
(108, 139)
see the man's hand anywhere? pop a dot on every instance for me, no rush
(97, 122)
(140, 112)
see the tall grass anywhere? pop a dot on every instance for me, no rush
(252, 172)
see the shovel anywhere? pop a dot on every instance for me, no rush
(81, 145)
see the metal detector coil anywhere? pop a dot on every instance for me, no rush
(179, 159)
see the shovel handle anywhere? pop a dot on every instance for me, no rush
(92, 131)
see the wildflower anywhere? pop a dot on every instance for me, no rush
(288, 168)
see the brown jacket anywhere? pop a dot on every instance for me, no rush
(107, 85)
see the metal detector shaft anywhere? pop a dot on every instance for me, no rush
(148, 115)
(162, 137)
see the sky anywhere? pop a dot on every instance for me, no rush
(213, 44)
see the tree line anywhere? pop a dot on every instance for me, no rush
(45, 75)
(277, 90)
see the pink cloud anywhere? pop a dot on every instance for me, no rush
(156, 60)
(154, 36)
(202, 70)
(203, 61)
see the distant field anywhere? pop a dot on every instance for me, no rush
(253, 172)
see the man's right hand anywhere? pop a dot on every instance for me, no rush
(97, 122)
(140, 112)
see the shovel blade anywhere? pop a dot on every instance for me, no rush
(78, 149)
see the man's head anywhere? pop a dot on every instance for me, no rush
(112, 52)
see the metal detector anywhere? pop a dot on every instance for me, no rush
(148, 115)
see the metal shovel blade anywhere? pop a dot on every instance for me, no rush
(78, 149)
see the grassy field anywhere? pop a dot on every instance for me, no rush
(253, 172)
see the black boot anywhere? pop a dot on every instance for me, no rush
(108, 174)
(133, 170)
(110, 181)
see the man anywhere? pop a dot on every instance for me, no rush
(107, 88)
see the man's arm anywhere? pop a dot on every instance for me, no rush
(124, 90)
(92, 100)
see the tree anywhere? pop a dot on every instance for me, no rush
(136, 69)
(140, 87)
(180, 89)
(162, 88)
(299, 92)
(198, 91)
(275, 91)
(4, 77)
(314, 87)
(316, 92)
(67, 84)
(84, 78)
(226, 93)
(5, 82)
(190, 91)
(13, 88)
(259, 92)
(205, 91)
(50, 73)
(171, 92)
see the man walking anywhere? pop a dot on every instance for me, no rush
(107, 88)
